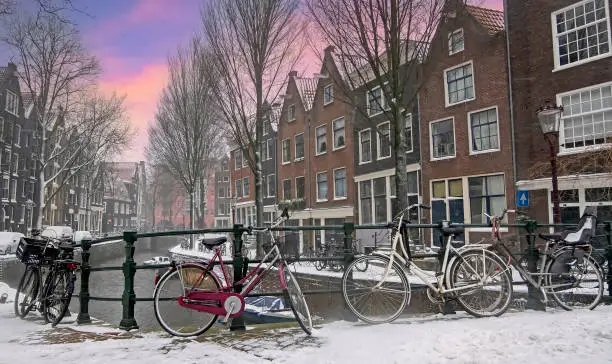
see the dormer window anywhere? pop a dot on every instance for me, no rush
(328, 95)
(455, 41)
(291, 113)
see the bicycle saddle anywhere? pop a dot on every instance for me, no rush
(213, 242)
(455, 230)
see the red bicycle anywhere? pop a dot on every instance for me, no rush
(190, 296)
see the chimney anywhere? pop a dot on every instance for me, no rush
(293, 74)
(329, 49)
(12, 69)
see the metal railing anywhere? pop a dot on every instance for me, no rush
(129, 267)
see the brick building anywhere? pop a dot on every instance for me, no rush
(223, 194)
(563, 56)
(465, 120)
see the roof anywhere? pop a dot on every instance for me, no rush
(307, 87)
(28, 98)
(492, 20)
(124, 170)
(3, 73)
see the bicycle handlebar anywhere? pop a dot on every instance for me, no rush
(500, 217)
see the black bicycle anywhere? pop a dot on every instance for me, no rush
(52, 259)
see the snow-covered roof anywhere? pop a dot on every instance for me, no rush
(3, 73)
(491, 20)
(307, 87)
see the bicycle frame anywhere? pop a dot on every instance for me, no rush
(406, 261)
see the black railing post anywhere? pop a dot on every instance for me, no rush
(446, 308)
(349, 229)
(128, 322)
(609, 255)
(238, 322)
(533, 296)
(83, 317)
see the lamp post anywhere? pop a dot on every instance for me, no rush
(549, 117)
(30, 205)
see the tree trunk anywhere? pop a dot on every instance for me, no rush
(259, 206)
(41, 180)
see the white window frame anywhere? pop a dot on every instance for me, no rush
(6, 181)
(245, 161)
(283, 186)
(565, 151)
(236, 190)
(283, 161)
(16, 104)
(237, 166)
(291, 113)
(296, 159)
(269, 149)
(334, 147)
(555, 37)
(18, 139)
(317, 186)
(431, 155)
(469, 124)
(268, 185)
(331, 100)
(382, 99)
(446, 101)
(336, 197)
(317, 140)
(369, 131)
(409, 118)
(378, 157)
(248, 190)
(296, 179)
(450, 40)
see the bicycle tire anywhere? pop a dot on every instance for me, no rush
(296, 299)
(33, 273)
(61, 278)
(460, 274)
(363, 267)
(376, 264)
(320, 265)
(553, 278)
(209, 282)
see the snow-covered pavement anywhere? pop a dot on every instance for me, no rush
(517, 337)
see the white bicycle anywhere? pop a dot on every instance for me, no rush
(473, 276)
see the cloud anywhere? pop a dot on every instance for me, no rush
(142, 89)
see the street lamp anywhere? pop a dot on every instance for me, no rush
(549, 117)
(30, 205)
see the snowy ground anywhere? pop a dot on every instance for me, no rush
(517, 337)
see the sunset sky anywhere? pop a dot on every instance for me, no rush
(132, 39)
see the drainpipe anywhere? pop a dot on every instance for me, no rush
(510, 100)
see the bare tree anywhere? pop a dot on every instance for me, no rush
(54, 66)
(254, 44)
(57, 8)
(381, 43)
(185, 136)
(161, 185)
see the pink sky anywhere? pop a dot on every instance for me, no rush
(133, 40)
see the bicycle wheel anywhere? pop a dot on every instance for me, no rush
(56, 298)
(294, 294)
(371, 295)
(320, 265)
(579, 286)
(175, 319)
(362, 266)
(27, 291)
(482, 282)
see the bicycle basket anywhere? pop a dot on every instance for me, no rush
(34, 250)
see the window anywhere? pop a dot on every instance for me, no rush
(299, 147)
(581, 33)
(300, 187)
(17, 135)
(587, 117)
(487, 195)
(365, 146)
(459, 84)
(6, 160)
(238, 188)
(263, 151)
(245, 187)
(287, 189)
(455, 42)
(15, 164)
(271, 182)
(384, 140)
(5, 187)
(484, 133)
(380, 200)
(245, 159)
(376, 101)
(408, 134)
(237, 159)
(14, 190)
(24, 188)
(291, 113)
(340, 183)
(328, 95)
(7, 131)
(286, 151)
(442, 139)
(338, 133)
(365, 195)
(322, 186)
(12, 103)
(321, 132)
(270, 147)
(22, 214)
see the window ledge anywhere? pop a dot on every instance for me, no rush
(590, 148)
(458, 103)
(366, 162)
(456, 52)
(339, 198)
(320, 154)
(442, 158)
(484, 151)
(579, 63)
(319, 201)
(339, 148)
(383, 158)
(373, 115)
(298, 159)
(328, 103)
(285, 163)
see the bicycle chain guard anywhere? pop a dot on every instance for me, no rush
(216, 303)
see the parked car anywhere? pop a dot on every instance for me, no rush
(157, 260)
(82, 234)
(9, 242)
(58, 232)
